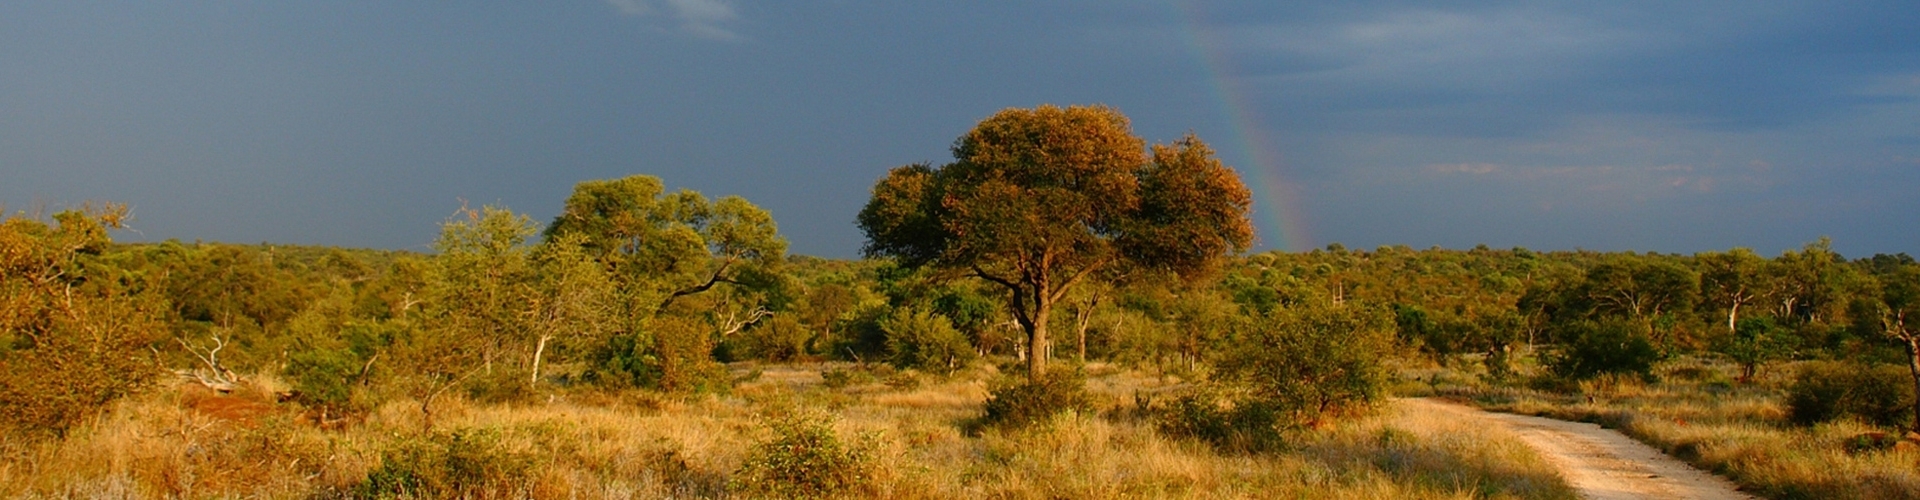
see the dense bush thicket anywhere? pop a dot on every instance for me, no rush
(1875, 394)
(1599, 348)
(1023, 402)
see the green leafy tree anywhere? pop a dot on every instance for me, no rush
(1756, 341)
(1038, 200)
(572, 298)
(1641, 289)
(665, 246)
(662, 250)
(1731, 280)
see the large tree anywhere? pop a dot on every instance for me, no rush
(1038, 200)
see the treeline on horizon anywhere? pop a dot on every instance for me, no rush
(1055, 233)
(501, 313)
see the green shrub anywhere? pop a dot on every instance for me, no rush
(675, 354)
(462, 463)
(1595, 348)
(779, 340)
(1877, 394)
(1023, 403)
(803, 458)
(1304, 364)
(925, 340)
(1242, 426)
(323, 377)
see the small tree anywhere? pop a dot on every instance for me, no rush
(1756, 341)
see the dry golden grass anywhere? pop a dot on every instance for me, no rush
(169, 444)
(1696, 413)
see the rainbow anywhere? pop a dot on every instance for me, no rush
(1276, 207)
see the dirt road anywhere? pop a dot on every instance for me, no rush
(1599, 463)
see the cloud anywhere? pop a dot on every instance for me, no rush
(1519, 69)
(1462, 168)
(701, 18)
(631, 7)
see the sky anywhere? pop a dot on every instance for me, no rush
(1675, 127)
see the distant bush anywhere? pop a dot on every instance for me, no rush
(803, 458)
(464, 463)
(1595, 348)
(857, 374)
(780, 339)
(1876, 394)
(675, 354)
(1023, 403)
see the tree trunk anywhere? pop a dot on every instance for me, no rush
(1733, 313)
(1913, 368)
(1085, 316)
(1082, 347)
(538, 349)
(1037, 342)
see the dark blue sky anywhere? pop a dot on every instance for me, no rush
(1673, 127)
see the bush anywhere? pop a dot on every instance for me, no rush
(1877, 394)
(1596, 348)
(1242, 426)
(859, 374)
(779, 340)
(674, 355)
(925, 340)
(1023, 403)
(322, 378)
(803, 458)
(73, 338)
(463, 463)
(1305, 364)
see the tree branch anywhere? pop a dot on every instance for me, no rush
(718, 277)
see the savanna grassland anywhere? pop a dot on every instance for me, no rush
(1073, 317)
(890, 438)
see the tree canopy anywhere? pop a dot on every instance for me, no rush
(1037, 200)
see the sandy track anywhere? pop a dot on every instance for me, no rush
(1599, 463)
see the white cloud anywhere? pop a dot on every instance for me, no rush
(701, 18)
